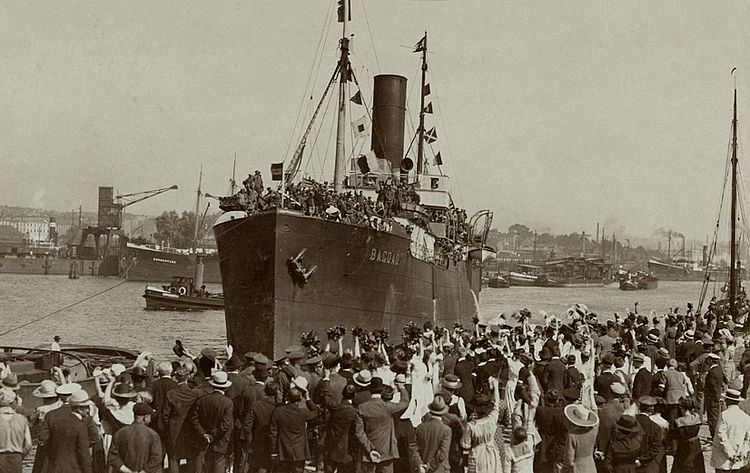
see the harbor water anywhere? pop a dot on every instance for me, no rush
(110, 311)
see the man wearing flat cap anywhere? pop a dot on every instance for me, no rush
(137, 447)
(651, 458)
(712, 390)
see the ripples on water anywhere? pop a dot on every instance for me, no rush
(117, 317)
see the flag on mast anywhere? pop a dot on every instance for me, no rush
(426, 90)
(360, 127)
(277, 171)
(431, 135)
(438, 159)
(428, 108)
(421, 45)
(357, 98)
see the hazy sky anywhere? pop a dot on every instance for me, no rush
(555, 114)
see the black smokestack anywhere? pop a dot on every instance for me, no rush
(388, 115)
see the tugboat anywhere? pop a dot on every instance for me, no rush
(397, 251)
(638, 282)
(183, 293)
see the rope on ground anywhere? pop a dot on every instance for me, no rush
(64, 308)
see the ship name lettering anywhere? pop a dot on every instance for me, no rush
(385, 256)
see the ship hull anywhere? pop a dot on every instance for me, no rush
(358, 276)
(518, 279)
(146, 264)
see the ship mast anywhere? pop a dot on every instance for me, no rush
(340, 166)
(197, 210)
(420, 143)
(733, 249)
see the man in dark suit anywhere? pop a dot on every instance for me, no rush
(214, 421)
(238, 394)
(379, 439)
(463, 369)
(603, 382)
(573, 377)
(66, 436)
(651, 458)
(712, 391)
(180, 436)
(137, 447)
(434, 439)
(288, 432)
(159, 390)
(555, 372)
(340, 446)
(257, 429)
(643, 378)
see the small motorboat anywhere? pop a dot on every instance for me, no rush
(523, 279)
(638, 282)
(498, 282)
(181, 294)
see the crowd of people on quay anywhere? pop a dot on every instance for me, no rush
(320, 200)
(620, 395)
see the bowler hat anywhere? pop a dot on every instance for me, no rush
(376, 385)
(123, 390)
(330, 360)
(233, 363)
(628, 423)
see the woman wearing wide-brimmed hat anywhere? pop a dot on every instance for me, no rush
(624, 445)
(583, 425)
(479, 435)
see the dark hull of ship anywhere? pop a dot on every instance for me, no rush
(643, 284)
(159, 266)
(672, 272)
(364, 277)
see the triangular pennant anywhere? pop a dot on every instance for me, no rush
(421, 45)
(426, 90)
(431, 135)
(428, 108)
(357, 98)
(438, 159)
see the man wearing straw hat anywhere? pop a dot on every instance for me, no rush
(731, 444)
(66, 435)
(213, 420)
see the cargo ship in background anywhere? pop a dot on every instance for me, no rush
(286, 271)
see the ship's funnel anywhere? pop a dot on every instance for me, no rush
(388, 115)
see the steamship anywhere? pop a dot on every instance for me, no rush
(285, 272)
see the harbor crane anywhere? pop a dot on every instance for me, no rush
(110, 210)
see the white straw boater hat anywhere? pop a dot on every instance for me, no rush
(733, 395)
(220, 380)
